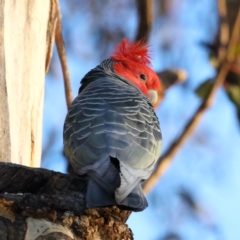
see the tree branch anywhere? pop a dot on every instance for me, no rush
(54, 34)
(63, 58)
(169, 78)
(51, 29)
(167, 158)
(145, 19)
(223, 30)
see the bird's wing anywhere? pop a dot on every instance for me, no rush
(112, 118)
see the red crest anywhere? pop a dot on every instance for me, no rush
(137, 52)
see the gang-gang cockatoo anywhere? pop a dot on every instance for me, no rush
(111, 133)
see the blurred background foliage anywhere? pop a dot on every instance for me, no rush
(199, 196)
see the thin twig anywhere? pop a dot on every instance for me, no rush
(54, 34)
(52, 23)
(167, 158)
(169, 78)
(63, 59)
(223, 30)
(145, 19)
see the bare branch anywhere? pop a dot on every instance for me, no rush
(145, 19)
(63, 59)
(171, 77)
(232, 12)
(52, 23)
(167, 158)
(223, 30)
(168, 79)
(54, 33)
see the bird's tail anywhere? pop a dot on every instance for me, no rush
(102, 184)
(97, 197)
(135, 201)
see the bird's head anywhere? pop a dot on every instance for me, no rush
(132, 61)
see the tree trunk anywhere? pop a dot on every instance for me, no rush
(23, 34)
(42, 204)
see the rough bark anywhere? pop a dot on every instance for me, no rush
(42, 204)
(23, 29)
(4, 116)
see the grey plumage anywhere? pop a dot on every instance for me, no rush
(112, 136)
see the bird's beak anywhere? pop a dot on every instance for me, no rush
(153, 96)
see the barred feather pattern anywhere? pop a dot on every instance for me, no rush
(111, 118)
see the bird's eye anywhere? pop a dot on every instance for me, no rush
(143, 77)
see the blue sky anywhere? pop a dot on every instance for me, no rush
(208, 164)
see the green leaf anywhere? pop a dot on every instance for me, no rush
(233, 92)
(203, 90)
(235, 51)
